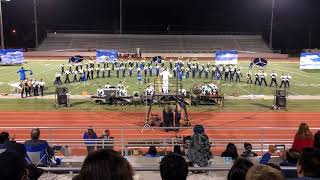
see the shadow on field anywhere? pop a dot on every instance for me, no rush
(262, 105)
(79, 103)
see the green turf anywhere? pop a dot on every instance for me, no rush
(303, 82)
(86, 105)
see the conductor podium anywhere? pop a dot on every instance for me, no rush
(62, 97)
(280, 99)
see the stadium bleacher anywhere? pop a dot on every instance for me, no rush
(154, 43)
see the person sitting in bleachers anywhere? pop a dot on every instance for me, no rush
(231, 151)
(264, 172)
(10, 145)
(267, 156)
(13, 166)
(239, 169)
(248, 151)
(303, 138)
(105, 165)
(37, 145)
(290, 159)
(173, 167)
(152, 152)
(308, 167)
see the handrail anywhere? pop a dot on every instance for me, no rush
(72, 169)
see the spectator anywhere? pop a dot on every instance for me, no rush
(177, 149)
(263, 172)
(152, 152)
(303, 138)
(89, 137)
(290, 158)
(199, 148)
(231, 151)
(35, 144)
(239, 169)
(267, 156)
(8, 145)
(13, 166)
(309, 164)
(105, 140)
(317, 140)
(173, 167)
(248, 151)
(105, 165)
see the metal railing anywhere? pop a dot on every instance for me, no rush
(127, 139)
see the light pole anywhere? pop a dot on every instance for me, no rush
(271, 26)
(120, 30)
(1, 24)
(35, 23)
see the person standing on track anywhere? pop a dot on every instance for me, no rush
(41, 85)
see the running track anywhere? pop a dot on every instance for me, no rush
(135, 120)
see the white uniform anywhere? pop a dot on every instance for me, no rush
(165, 80)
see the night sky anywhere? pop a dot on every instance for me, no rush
(294, 19)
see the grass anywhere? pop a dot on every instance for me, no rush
(303, 82)
(85, 105)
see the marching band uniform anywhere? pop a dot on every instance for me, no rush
(206, 73)
(226, 74)
(62, 68)
(213, 72)
(108, 72)
(123, 69)
(283, 81)
(92, 70)
(145, 69)
(249, 77)
(273, 79)
(80, 73)
(67, 76)
(117, 71)
(58, 80)
(130, 71)
(232, 72)
(200, 72)
(103, 70)
(157, 70)
(238, 74)
(41, 85)
(193, 69)
(257, 75)
(75, 73)
(187, 72)
(88, 73)
(150, 70)
(98, 71)
(69, 67)
(263, 76)
(287, 80)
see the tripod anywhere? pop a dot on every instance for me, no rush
(148, 111)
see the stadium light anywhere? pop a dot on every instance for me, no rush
(35, 23)
(271, 25)
(1, 24)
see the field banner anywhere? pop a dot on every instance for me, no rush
(310, 61)
(11, 56)
(226, 57)
(102, 55)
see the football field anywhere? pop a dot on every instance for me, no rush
(302, 83)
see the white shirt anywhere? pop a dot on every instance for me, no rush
(165, 75)
(41, 83)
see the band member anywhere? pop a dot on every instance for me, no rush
(263, 76)
(206, 73)
(213, 72)
(98, 71)
(283, 81)
(287, 80)
(69, 67)
(103, 70)
(41, 85)
(88, 73)
(77, 66)
(257, 75)
(157, 70)
(187, 70)
(117, 72)
(92, 71)
(139, 77)
(150, 70)
(238, 74)
(108, 69)
(232, 72)
(29, 84)
(273, 79)
(62, 68)
(80, 74)
(75, 73)
(86, 65)
(180, 75)
(145, 69)
(123, 69)
(200, 72)
(130, 71)
(67, 80)
(226, 73)
(58, 79)
(170, 64)
(35, 87)
(249, 77)
(193, 70)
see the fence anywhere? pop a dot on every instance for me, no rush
(131, 139)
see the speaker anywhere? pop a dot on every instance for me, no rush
(281, 101)
(62, 99)
(281, 93)
(62, 91)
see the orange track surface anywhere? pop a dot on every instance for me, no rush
(136, 119)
